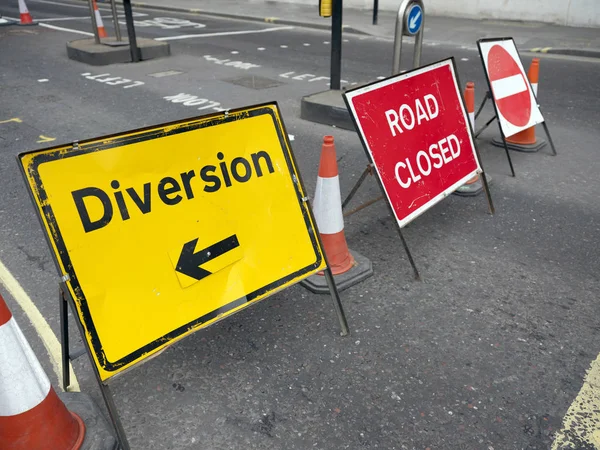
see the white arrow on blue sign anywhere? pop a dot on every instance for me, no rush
(414, 18)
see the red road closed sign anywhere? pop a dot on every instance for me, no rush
(415, 128)
(516, 105)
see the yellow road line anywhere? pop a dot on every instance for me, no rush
(45, 139)
(14, 119)
(581, 424)
(39, 323)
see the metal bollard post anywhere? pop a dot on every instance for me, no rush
(113, 6)
(410, 21)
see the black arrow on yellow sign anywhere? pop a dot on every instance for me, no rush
(189, 261)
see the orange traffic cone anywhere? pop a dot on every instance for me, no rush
(473, 186)
(327, 207)
(526, 141)
(99, 23)
(349, 267)
(32, 416)
(25, 16)
(527, 137)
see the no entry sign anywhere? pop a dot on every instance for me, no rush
(515, 103)
(415, 128)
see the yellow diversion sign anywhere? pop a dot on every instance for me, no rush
(165, 230)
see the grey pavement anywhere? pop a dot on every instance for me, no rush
(438, 30)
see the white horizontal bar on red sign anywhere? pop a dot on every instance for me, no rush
(505, 87)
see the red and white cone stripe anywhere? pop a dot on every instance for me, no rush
(99, 23)
(24, 375)
(327, 205)
(24, 12)
(32, 417)
(327, 208)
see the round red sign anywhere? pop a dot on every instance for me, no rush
(509, 86)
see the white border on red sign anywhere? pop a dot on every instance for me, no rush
(508, 128)
(354, 93)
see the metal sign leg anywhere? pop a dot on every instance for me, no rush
(487, 193)
(337, 302)
(487, 96)
(114, 416)
(367, 171)
(512, 170)
(104, 389)
(549, 138)
(64, 339)
(410, 258)
(487, 124)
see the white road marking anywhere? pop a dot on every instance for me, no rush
(306, 44)
(194, 100)
(260, 49)
(230, 63)
(464, 59)
(225, 33)
(326, 42)
(166, 23)
(283, 46)
(505, 87)
(39, 323)
(235, 52)
(43, 80)
(68, 4)
(345, 40)
(54, 27)
(61, 19)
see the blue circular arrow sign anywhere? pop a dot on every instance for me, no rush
(414, 19)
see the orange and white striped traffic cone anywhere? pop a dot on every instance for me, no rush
(473, 186)
(526, 141)
(32, 416)
(526, 138)
(99, 23)
(349, 268)
(25, 16)
(327, 208)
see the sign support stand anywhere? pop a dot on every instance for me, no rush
(549, 137)
(66, 300)
(369, 171)
(333, 290)
(489, 96)
(407, 250)
(337, 302)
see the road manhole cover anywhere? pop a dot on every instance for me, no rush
(254, 82)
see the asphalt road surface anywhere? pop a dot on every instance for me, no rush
(487, 352)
